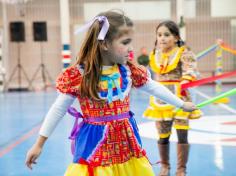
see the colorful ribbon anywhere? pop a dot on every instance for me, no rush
(212, 100)
(206, 51)
(102, 33)
(228, 48)
(110, 79)
(223, 45)
(76, 127)
(207, 80)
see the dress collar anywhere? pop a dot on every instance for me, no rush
(107, 70)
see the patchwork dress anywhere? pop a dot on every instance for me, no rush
(107, 142)
(172, 68)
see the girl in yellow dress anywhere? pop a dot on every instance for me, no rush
(173, 64)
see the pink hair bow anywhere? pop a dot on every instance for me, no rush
(102, 33)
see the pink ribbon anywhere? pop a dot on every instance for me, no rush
(103, 32)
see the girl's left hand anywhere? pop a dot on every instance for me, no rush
(188, 107)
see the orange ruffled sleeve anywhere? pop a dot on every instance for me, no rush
(139, 74)
(69, 81)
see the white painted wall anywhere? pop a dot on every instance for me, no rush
(148, 10)
(223, 8)
(190, 8)
(140, 10)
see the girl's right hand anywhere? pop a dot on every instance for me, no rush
(32, 156)
(188, 107)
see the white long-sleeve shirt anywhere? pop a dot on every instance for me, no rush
(64, 101)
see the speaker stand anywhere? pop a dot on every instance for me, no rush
(20, 69)
(44, 72)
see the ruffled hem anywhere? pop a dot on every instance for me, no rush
(158, 114)
(168, 114)
(195, 114)
(135, 166)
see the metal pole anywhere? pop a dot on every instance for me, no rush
(65, 33)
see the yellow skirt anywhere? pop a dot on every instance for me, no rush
(135, 166)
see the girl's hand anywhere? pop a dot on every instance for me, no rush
(188, 107)
(32, 155)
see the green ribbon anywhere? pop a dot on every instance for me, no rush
(214, 99)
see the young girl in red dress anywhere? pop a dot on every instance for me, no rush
(107, 142)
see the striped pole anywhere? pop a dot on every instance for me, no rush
(66, 56)
(65, 33)
(219, 71)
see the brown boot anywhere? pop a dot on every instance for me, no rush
(182, 158)
(164, 155)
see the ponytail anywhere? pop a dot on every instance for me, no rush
(180, 43)
(155, 47)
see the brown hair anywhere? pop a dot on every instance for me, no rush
(90, 53)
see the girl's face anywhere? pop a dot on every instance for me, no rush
(119, 49)
(165, 39)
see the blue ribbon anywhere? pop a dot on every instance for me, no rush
(110, 79)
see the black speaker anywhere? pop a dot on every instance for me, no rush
(40, 31)
(17, 31)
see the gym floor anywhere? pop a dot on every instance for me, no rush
(212, 137)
